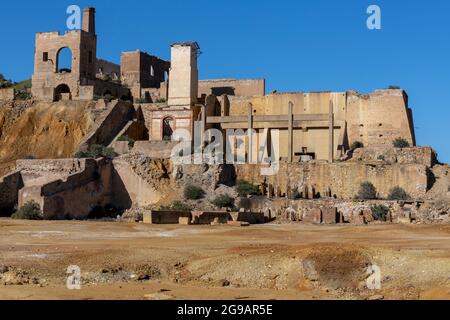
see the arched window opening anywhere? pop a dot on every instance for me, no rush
(168, 128)
(64, 60)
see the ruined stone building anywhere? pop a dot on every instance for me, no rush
(148, 100)
(316, 125)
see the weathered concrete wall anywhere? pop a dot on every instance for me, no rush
(232, 87)
(207, 217)
(9, 192)
(165, 217)
(74, 196)
(379, 118)
(183, 85)
(342, 179)
(155, 149)
(7, 94)
(130, 189)
(314, 136)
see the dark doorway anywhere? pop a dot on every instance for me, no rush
(62, 91)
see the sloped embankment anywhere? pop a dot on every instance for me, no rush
(41, 130)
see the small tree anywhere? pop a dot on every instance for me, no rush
(96, 151)
(29, 211)
(223, 201)
(400, 143)
(398, 193)
(356, 145)
(367, 191)
(245, 188)
(380, 212)
(192, 192)
(394, 87)
(176, 206)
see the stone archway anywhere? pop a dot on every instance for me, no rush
(62, 92)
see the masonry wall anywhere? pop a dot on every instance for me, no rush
(232, 87)
(342, 179)
(46, 76)
(379, 118)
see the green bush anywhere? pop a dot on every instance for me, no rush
(394, 87)
(398, 193)
(356, 145)
(380, 212)
(128, 139)
(192, 192)
(29, 211)
(176, 206)
(367, 191)
(400, 143)
(223, 201)
(97, 151)
(245, 188)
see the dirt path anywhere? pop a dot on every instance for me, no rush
(129, 261)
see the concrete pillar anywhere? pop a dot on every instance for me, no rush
(183, 75)
(290, 132)
(331, 133)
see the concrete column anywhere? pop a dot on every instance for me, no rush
(250, 133)
(331, 133)
(290, 132)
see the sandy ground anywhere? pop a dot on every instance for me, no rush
(137, 261)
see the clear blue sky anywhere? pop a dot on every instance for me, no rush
(296, 45)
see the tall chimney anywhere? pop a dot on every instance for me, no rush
(89, 20)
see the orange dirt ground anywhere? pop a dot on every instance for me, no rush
(133, 261)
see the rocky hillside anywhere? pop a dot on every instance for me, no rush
(30, 129)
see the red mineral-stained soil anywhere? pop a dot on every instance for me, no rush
(139, 261)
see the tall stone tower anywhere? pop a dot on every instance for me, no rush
(183, 77)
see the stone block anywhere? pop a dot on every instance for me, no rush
(184, 220)
(367, 214)
(330, 215)
(147, 217)
(313, 216)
